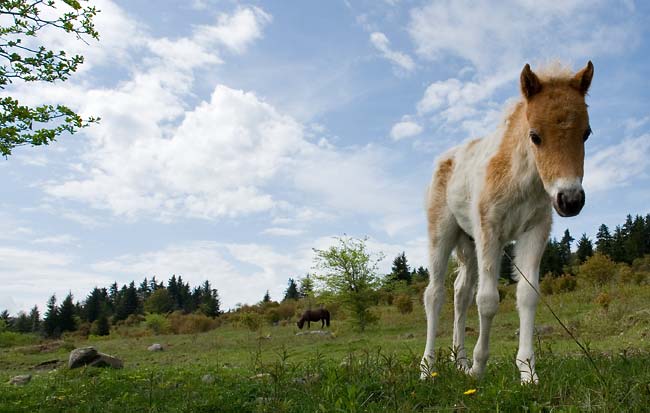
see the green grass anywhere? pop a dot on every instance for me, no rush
(372, 371)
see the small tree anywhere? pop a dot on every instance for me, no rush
(400, 270)
(599, 269)
(585, 249)
(267, 297)
(159, 302)
(292, 291)
(22, 58)
(350, 272)
(51, 321)
(66, 315)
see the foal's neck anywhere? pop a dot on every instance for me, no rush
(523, 170)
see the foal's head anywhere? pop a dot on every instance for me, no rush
(558, 128)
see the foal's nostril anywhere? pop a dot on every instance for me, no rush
(570, 203)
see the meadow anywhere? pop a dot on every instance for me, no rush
(232, 368)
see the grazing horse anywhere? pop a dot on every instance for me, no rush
(320, 314)
(488, 192)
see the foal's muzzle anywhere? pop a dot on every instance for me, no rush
(569, 203)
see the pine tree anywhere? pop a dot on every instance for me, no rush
(103, 327)
(400, 270)
(306, 287)
(618, 245)
(551, 259)
(94, 305)
(565, 249)
(144, 290)
(585, 249)
(22, 323)
(35, 320)
(51, 322)
(604, 241)
(66, 315)
(292, 291)
(422, 274)
(209, 300)
(267, 297)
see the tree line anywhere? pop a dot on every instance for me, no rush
(104, 307)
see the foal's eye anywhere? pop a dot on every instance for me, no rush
(537, 140)
(587, 134)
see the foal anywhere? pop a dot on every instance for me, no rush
(488, 192)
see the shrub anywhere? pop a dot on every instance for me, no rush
(101, 326)
(11, 339)
(404, 303)
(272, 315)
(287, 309)
(547, 286)
(157, 323)
(252, 321)
(565, 284)
(191, 323)
(599, 269)
(603, 300)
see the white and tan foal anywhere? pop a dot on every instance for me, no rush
(488, 192)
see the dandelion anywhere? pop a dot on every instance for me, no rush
(470, 392)
(434, 374)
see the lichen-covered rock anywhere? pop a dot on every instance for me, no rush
(82, 356)
(21, 380)
(155, 347)
(89, 356)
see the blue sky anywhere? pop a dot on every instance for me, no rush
(235, 137)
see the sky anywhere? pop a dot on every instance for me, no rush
(236, 137)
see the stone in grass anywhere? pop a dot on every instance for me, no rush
(21, 380)
(208, 379)
(155, 347)
(260, 376)
(315, 332)
(89, 356)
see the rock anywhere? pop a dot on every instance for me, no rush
(208, 379)
(88, 356)
(105, 360)
(266, 337)
(315, 332)
(310, 378)
(408, 336)
(260, 376)
(21, 380)
(47, 365)
(155, 347)
(81, 356)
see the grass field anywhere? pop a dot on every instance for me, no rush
(274, 370)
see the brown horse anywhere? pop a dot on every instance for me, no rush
(320, 314)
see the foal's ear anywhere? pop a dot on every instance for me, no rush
(582, 79)
(530, 84)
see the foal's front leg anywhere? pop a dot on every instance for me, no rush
(487, 296)
(528, 253)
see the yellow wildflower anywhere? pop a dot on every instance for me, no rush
(470, 392)
(434, 374)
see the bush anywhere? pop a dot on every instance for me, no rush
(272, 315)
(603, 300)
(101, 326)
(191, 323)
(286, 310)
(157, 323)
(404, 303)
(565, 284)
(250, 320)
(599, 269)
(12, 339)
(547, 286)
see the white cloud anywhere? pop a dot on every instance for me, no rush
(236, 31)
(62, 239)
(405, 129)
(496, 39)
(616, 165)
(27, 275)
(283, 232)
(240, 272)
(381, 43)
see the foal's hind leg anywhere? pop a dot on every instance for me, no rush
(443, 234)
(464, 288)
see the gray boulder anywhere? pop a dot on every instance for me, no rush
(89, 356)
(208, 379)
(155, 347)
(21, 380)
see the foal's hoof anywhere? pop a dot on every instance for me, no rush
(475, 372)
(527, 378)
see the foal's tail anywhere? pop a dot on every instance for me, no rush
(327, 318)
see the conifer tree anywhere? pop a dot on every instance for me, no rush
(585, 249)
(51, 321)
(292, 291)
